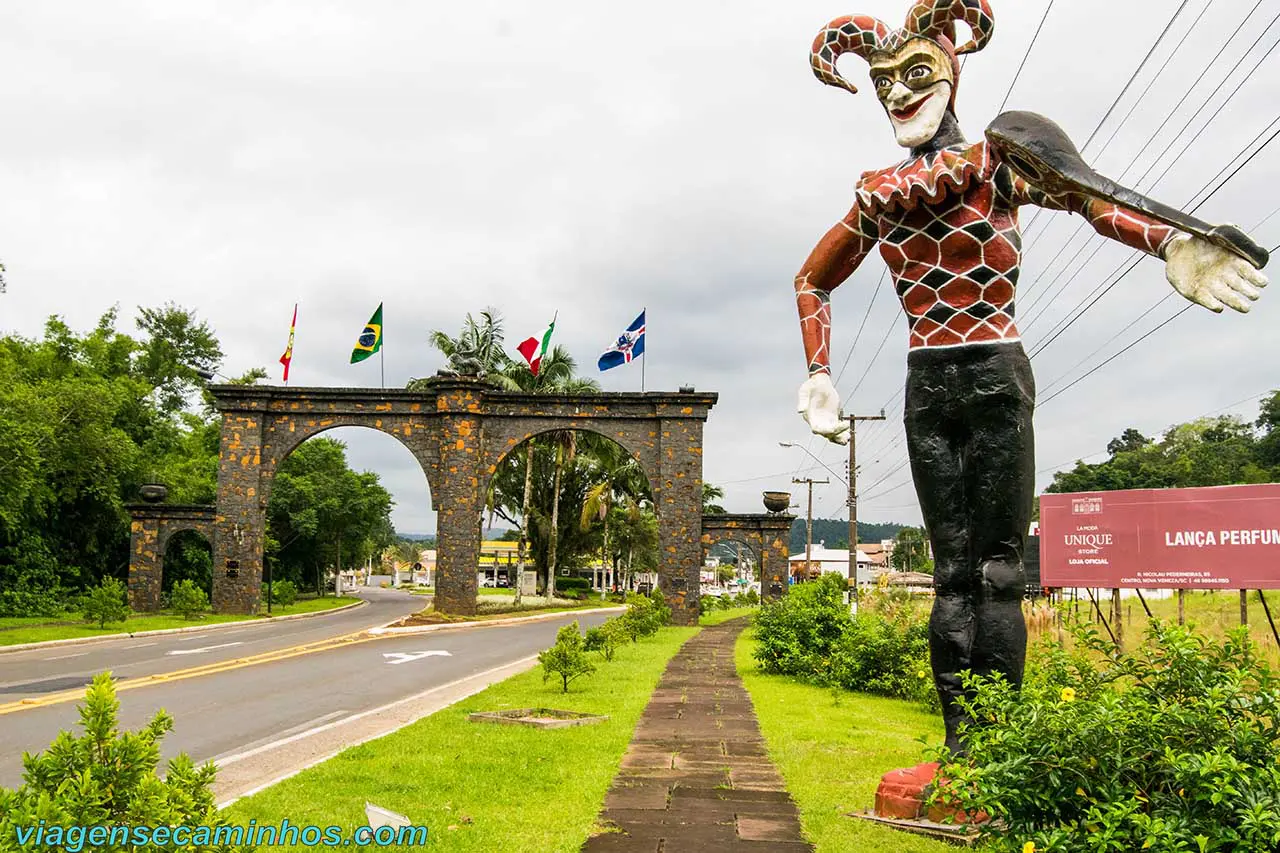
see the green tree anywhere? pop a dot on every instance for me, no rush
(711, 497)
(107, 778)
(188, 600)
(322, 513)
(556, 375)
(105, 603)
(567, 658)
(909, 551)
(477, 350)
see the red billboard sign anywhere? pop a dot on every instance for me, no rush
(1222, 537)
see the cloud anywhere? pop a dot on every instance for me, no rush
(238, 157)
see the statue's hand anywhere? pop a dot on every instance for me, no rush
(1210, 276)
(820, 405)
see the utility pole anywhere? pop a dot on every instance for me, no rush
(808, 536)
(853, 502)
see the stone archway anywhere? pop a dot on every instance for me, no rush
(459, 430)
(767, 533)
(151, 528)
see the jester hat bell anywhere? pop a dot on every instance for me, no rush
(934, 20)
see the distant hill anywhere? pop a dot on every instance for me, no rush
(489, 535)
(835, 532)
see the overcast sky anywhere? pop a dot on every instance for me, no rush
(595, 159)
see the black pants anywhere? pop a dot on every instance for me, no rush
(969, 437)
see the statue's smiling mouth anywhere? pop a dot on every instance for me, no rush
(908, 112)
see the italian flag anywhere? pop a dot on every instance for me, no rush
(534, 349)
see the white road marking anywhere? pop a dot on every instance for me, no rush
(189, 639)
(141, 645)
(406, 657)
(64, 657)
(202, 649)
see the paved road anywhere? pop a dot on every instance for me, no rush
(37, 672)
(228, 712)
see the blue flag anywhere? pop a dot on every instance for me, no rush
(629, 345)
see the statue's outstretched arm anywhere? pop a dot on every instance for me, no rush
(831, 262)
(1214, 266)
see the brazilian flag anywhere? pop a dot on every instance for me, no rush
(370, 340)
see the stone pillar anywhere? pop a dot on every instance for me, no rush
(679, 505)
(774, 558)
(146, 559)
(458, 501)
(240, 525)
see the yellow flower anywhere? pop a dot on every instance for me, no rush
(1029, 847)
(920, 674)
(1068, 695)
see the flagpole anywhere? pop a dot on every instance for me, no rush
(382, 356)
(645, 312)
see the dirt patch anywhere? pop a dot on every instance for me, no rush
(538, 718)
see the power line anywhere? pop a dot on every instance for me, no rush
(1132, 78)
(866, 315)
(1102, 290)
(1025, 57)
(1079, 228)
(1059, 393)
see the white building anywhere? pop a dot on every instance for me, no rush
(826, 560)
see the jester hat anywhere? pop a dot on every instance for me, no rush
(934, 20)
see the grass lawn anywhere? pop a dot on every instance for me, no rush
(482, 787)
(715, 617)
(37, 629)
(489, 608)
(832, 752)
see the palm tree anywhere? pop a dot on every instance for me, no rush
(556, 375)
(619, 478)
(476, 351)
(711, 494)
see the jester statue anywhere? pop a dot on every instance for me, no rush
(946, 221)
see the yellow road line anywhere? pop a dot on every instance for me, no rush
(195, 671)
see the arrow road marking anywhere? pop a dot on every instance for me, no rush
(202, 649)
(405, 657)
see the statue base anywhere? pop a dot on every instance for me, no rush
(900, 803)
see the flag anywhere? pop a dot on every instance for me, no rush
(629, 345)
(288, 350)
(370, 340)
(534, 349)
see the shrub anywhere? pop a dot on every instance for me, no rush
(284, 593)
(888, 657)
(573, 587)
(1174, 746)
(108, 778)
(645, 615)
(567, 658)
(44, 601)
(105, 603)
(800, 630)
(724, 602)
(751, 598)
(188, 600)
(606, 638)
(661, 612)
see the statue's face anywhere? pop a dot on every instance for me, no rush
(914, 84)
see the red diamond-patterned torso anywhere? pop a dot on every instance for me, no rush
(947, 226)
(955, 267)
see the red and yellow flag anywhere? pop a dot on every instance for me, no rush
(288, 350)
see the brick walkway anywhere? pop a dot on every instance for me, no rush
(696, 778)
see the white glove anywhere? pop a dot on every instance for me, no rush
(820, 405)
(1210, 276)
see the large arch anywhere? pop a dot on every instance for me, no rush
(458, 429)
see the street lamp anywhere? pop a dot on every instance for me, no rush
(815, 459)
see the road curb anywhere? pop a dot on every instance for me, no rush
(514, 620)
(240, 623)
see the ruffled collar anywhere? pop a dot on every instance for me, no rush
(925, 179)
